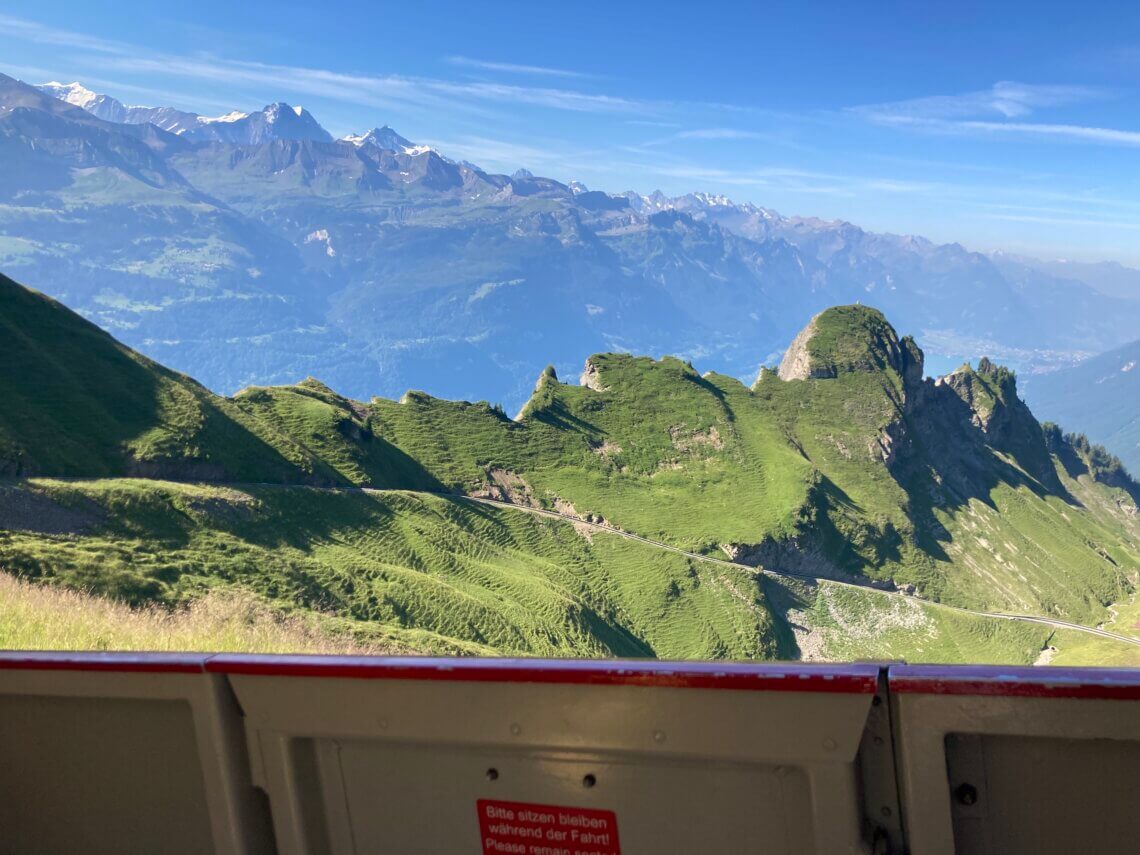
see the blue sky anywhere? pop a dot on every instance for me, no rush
(998, 125)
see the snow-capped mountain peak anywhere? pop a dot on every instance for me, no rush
(102, 106)
(387, 139)
(73, 93)
(275, 121)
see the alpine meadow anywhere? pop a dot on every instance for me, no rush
(842, 506)
(238, 355)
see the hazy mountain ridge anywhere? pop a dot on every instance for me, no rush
(1101, 395)
(290, 255)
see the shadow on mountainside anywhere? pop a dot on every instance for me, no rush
(559, 416)
(950, 460)
(79, 404)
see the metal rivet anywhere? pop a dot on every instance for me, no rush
(878, 740)
(658, 736)
(876, 701)
(886, 811)
(492, 774)
(829, 744)
(589, 781)
(515, 729)
(382, 722)
(966, 794)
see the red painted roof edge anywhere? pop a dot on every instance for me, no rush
(64, 660)
(858, 678)
(1020, 682)
(851, 679)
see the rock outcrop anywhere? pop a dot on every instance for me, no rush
(847, 339)
(591, 377)
(797, 363)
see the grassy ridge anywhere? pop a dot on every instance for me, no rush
(865, 473)
(950, 489)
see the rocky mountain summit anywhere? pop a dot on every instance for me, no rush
(850, 338)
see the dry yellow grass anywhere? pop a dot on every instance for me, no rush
(38, 617)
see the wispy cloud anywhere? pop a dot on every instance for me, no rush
(30, 31)
(786, 178)
(1007, 99)
(374, 90)
(506, 154)
(127, 92)
(358, 88)
(513, 68)
(1075, 132)
(715, 135)
(719, 134)
(988, 113)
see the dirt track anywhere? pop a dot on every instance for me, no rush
(1057, 624)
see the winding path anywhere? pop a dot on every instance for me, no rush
(1038, 619)
(747, 568)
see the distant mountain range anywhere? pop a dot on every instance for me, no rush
(253, 248)
(275, 121)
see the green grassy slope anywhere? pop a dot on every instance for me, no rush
(657, 449)
(947, 487)
(76, 402)
(1077, 648)
(861, 471)
(42, 617)
(869, 474)
(266, 568)
(419, 571)
(833, 622)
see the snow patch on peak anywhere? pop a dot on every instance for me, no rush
(713, 200)
(235, 116)
(73, 93)
(387, 139)
(299, 110)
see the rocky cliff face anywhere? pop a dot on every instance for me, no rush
(797, 363)
(941, 434)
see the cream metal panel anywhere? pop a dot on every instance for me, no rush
(375, 757)
(123, 753)
(1018, 760)
(161, 753)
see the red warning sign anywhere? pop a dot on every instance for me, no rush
(517, 828)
